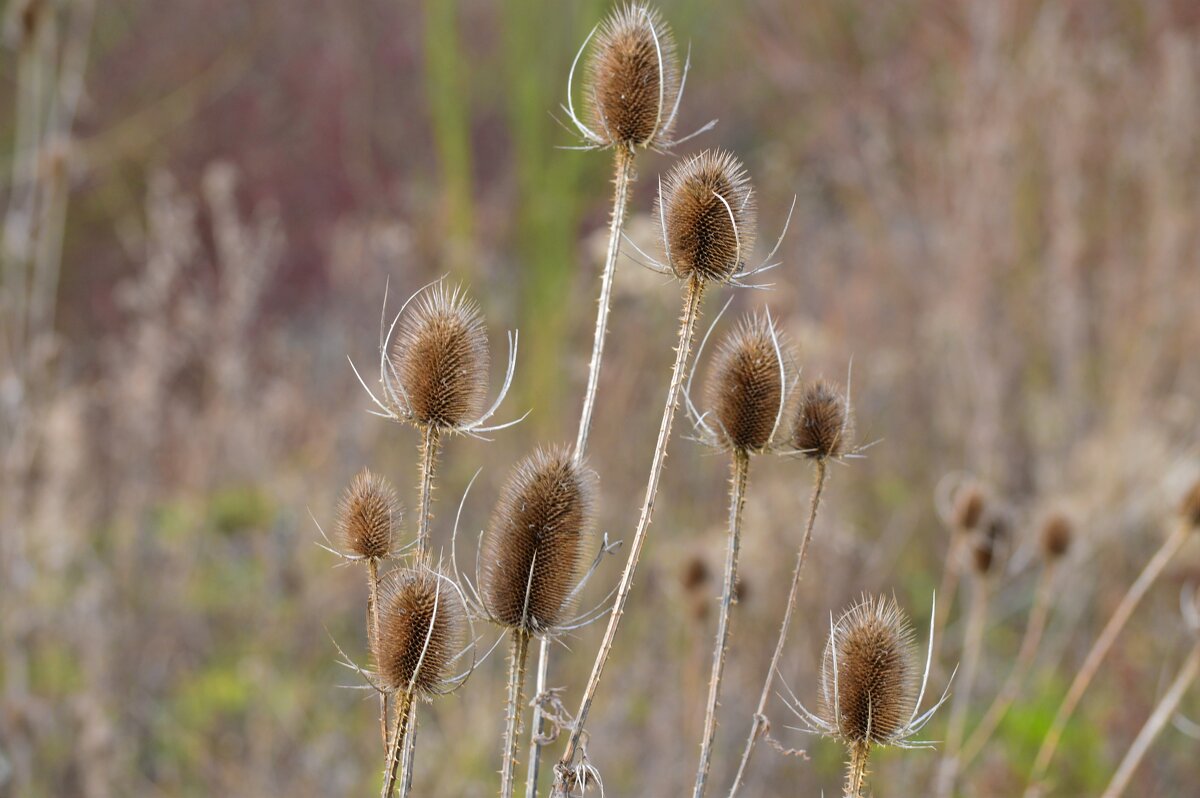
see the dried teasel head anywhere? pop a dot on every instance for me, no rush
(441, 358)
(1189, 508)
(746, 387)
(1055, 536)
(824, 425)
(706, 207)
(633, 79)
(969, 506)
(695, 573)
(989, 539)
(536, 541)
(869, 675)
(369, 517)
(422, 630)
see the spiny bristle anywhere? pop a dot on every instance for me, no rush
(825, 425)
(745, 388)
(369, 517)
(707, 208)
(1056, 536)
(633, 79)
(441, 357)
(421, 631)
(869, 696)
(536, 541)
(1190, 507)
(968, 507)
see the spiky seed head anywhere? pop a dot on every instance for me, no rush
(745, 387)
(868, 696)
(369, 517)
(695, 573)
(707, 209)
(421, 630)
(825, 424)
(1056, 535)
(633, 79)
(536, 541)
(969, 505)
(1190, 507)
(989, 539)
(983, 552)
(441, 357)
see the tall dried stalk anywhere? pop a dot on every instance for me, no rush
(961, 702)
(760, 725)
(737, 501)
(512, 730)
(430, 442)
(400, 720)
(1099, 650)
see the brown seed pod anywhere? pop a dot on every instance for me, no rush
(869, 695)
(369, 517)
(536, 541)
(1189, 508)
(421, 630)
(745, 387)
(708, 213)
(695, 573)
(983, 552)
(441, 357)
(1056, 536)
(633, 79)
(969, 505)
(825, 425)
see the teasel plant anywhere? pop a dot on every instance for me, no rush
(823, 433)
(1187, 523)
(747, 395)
(707, 217)
(1189, 602)
(1054, 539)
(871, 693)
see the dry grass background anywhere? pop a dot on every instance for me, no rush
(997, 219)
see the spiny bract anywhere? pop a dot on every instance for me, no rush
(745, 389)
(708, 217)
(536, 541)
(421, 631)
(369, 517)
(825, 424)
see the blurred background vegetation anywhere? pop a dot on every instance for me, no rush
(998, 219)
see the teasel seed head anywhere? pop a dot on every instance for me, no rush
(989, 539)
(1190, 507)
(969, 505)
(707, 209)
(422, 626)
(633, 79)
(825, 424)
(1056, 536)
(745, 388)
(536, 541)
(441, 356)
(695, 574)
(369, 517)
(868, 697)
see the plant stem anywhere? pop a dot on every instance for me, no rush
(737, 500)
(951, 572)
(373, 633)
(1038, 616)
(512, 730)
(1099, 650)
(856, 769)
(623, 166)
(410, 750)
(691, 303)
(430, 440)
(760, 725)
(404, 703)
(976, 622)
(1154, 724)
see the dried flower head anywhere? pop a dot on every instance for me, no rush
(441, 357)
(369, 517)
(536, 541)
(746, 386)
(825, 425)
(633, 79)
(706, 206)
(1056, 536)
(969, 505)
(421, 632)
(1190, 507)
(989, 539)
(983, 553)
(695, 573)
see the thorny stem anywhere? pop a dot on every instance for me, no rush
(759, 726)
(512, 730)
(737, 500)
(430, 441)
(404, 704)
(410, 750)
(687, 329)
(1154, 724)
(1038, 616)
(623, 165)
(856, 769)
(972, 645)
(373, 631)
(1099, 650)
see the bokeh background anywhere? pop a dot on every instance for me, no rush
(998, 220)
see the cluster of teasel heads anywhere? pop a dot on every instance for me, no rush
(534, 552)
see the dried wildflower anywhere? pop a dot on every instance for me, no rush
(421, 632)
(369, 517)
(1056, 536)
(695, 573)
(968, 507)
(536, 541)
(825, 425)
(1189, 508)
(706, 206)
(746, 388)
